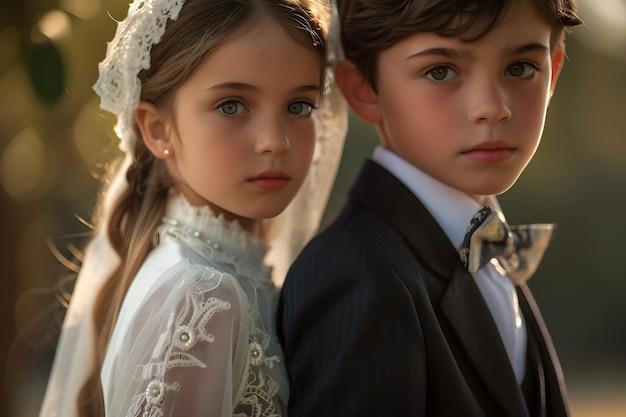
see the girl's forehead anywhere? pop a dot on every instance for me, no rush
(264, 58)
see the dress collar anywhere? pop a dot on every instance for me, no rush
(212, 233)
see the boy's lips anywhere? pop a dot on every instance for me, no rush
(270, 180)
(490, 152)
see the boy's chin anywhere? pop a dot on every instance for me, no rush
(485, 190)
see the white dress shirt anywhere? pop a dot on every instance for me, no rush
(453, 210)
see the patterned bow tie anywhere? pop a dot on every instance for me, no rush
(518, 249)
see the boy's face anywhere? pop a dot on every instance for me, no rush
(468, 114)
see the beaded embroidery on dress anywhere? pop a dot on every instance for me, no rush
(214, 306)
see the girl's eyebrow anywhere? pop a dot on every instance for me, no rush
(232, 86)
(312, 87)
(249, 87)
(461, 53)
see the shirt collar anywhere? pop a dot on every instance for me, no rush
(451, 208)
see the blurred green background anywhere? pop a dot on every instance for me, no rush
(54, 141)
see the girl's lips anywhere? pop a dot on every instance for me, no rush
(270, 180)
(270, 183)
(491, 152)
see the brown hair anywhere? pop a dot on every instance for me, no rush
(371, 26)
(201, 26)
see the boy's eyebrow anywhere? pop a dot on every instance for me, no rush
(444, 52)
(456, 53)
(531, 47)
(249, 87)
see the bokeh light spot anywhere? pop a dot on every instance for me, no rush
(93, 135)
(22, 165)
(55, 24)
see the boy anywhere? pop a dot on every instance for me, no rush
(389, 312)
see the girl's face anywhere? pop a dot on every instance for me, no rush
(242, 136)
(469, 114)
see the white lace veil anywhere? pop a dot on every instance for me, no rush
(299, 222)
(119, 88)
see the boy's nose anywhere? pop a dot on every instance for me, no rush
(488, 104)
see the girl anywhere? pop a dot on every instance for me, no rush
(173, 312)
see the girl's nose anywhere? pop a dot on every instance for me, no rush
(272, 137)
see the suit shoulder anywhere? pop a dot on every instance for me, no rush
(357, 248)
(355, 230)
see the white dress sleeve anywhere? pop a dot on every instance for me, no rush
(184, 350)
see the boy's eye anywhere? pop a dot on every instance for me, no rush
(300, 108)
(232, 108)
(441, 73)
(521, 70)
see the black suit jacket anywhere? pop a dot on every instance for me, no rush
(378, 317)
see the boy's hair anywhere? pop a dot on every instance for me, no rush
(371, 26)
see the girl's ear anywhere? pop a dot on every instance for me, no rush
(558, 59)
(357, 90)
(153, 129)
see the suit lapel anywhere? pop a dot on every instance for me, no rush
(554, 396)
(468, 315)
(462, 304)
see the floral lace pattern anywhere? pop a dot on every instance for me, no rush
(257, 398)
(186, 329)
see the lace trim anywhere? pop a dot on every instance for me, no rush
(216, 238)
(215, 253)
(259, 392)
(202, 219)
(127, 54)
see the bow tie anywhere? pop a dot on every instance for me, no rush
(518, 249)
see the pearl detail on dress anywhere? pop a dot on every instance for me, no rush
(155, 392)
(184, 337)
(256, 353)
(198, 235)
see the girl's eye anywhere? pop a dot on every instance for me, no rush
(300, 108)
(521, 70)
(232, 108)
(441, 74)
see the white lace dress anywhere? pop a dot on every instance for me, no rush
(195, 334)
